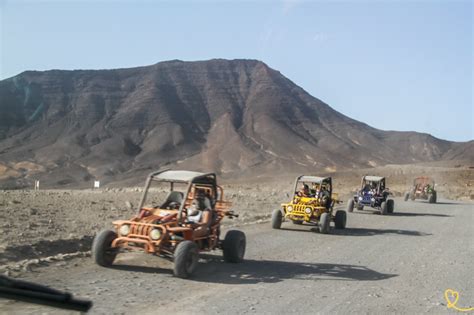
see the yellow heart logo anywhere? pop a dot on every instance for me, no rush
(452, 298)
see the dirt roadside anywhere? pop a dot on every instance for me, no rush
(401, 263)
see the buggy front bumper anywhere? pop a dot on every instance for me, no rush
(301, 213)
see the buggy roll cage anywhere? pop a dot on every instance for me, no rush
(424, 180)
(183, 177)
(377, 179)
(314, 179)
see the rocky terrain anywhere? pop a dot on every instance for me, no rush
(236, 117)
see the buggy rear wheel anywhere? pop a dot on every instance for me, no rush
(102, 252)
(432, 198)
(185, 259)
(390, 205)
(350, 205)
(324, 221)
(407, 195)
(234, 246)
(276, 219)
(340, 219)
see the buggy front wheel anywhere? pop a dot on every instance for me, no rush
(186, 258)
(340, 219)
(102, 251)
(350, 205)
(277, 218)
(324, 221)
(383, 208)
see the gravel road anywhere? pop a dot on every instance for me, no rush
(400, 263)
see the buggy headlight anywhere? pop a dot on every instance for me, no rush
(308, 210)
(155, 234)
(124, 230)
(289, 208)
(373, 199)
(360, 198)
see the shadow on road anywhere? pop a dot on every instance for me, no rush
(268, 271)
(305, 228)
(371, 232)
(367, 211)
(360, 231)
(141, 269)
(402, 214)
(415, 214)
(437, 202)
(212, 268)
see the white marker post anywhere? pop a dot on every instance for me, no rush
(37, 184)
(96, 184)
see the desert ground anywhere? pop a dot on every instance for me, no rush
(401, 263)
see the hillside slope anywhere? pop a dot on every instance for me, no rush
(237, 117)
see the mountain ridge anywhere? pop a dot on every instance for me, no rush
(238, 117)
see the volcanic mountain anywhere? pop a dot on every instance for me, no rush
(235, 117)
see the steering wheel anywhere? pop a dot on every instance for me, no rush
(173, 205)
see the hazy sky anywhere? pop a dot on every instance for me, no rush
(395, 65)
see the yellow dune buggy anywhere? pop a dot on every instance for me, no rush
(313, 203)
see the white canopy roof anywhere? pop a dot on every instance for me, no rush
(311, 179)
(373, 178)
(182, 176)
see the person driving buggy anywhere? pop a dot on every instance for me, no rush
(427, 188)
(324, 192)
(199, 214)
(366, 189)
(304, 191)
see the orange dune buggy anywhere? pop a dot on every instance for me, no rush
(423, 188)
(164, 228)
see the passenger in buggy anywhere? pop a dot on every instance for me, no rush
(373, 189)
(199, 214)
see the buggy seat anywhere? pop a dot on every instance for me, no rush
(173, 196)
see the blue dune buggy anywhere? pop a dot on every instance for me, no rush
(373, 193)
